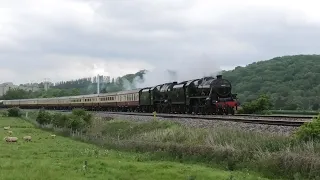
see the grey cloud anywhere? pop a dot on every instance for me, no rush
(158, 33)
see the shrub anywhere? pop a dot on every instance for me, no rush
(260, 105)
(60, 120)
(76, 122)
(4, 113)
(44, 117)
(310, 130)
(14, 112)
(83, 115)
(79, 112)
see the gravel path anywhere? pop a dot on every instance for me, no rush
(202, 123)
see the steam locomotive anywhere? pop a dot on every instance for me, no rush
(206, 95)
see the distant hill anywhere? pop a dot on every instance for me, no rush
(292, 82)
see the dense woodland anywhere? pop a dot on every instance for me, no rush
(291, 82)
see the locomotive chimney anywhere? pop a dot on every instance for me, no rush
(219, 76)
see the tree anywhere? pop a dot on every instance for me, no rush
(291, 82)
(260, 105)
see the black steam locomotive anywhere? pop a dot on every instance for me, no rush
(207, 95)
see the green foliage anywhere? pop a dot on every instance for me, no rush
(83, 115)
(291, 82)
(60, 120)
(258, 106)
(16, 93)
(310, 131)
(14, 112)
(79, 119)
(44, 117)
(77, 87)
(75, 122)
(4, 113)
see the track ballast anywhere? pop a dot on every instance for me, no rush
(281, 120)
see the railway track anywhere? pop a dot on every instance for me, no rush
(278, 122)
(279, 116)
(305, 117)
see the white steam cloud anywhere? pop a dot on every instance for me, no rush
(182, 71)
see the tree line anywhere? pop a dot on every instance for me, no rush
(76, 87)
(290, 83)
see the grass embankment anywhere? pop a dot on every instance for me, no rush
(63, 158)
(272, 155)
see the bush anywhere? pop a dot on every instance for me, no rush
(14, 112)
(310, 131)
(44, 117)
(60, 120)
(82, 115)
(4, 114)
(76, 122)
(79, 112)
(261, 105)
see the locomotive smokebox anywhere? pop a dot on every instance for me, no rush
(219, 76)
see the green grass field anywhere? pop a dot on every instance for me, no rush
(63, 158)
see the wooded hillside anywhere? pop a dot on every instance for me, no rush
(292, 82)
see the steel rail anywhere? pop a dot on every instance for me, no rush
(232, 119)
(251, 120)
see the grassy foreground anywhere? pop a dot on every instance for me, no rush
(63, 158)
(232, 149)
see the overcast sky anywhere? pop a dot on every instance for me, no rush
(67, 39)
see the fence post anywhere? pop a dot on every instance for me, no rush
(154, 115)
